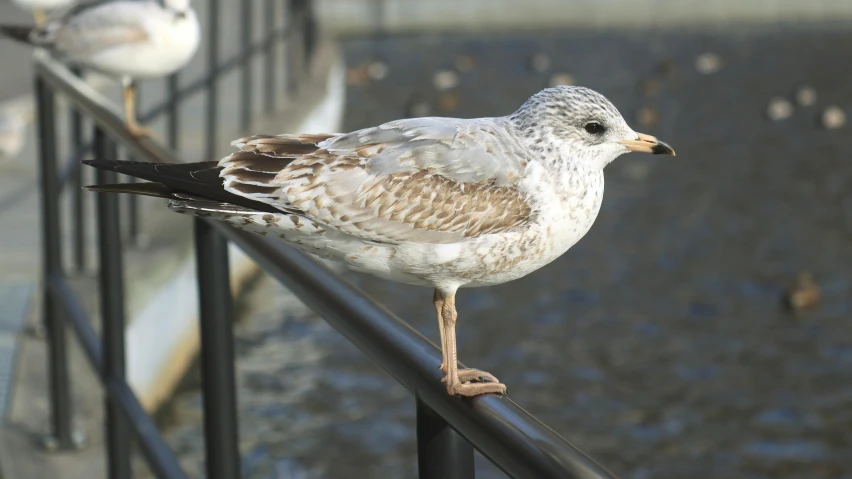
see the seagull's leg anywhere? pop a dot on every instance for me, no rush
(464, 382)
(465, 375)
(438, 301)
(129, 93)
(39, 16)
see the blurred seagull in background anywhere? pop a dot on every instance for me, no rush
(439, 202)
(126, 39)
(39, 8)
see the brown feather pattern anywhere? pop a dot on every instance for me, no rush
(340, 191)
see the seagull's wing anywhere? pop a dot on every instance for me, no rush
(90, 30)
(429, 180)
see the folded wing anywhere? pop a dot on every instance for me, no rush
(430, 180)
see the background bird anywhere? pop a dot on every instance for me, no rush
(126, 39)
(440, 202)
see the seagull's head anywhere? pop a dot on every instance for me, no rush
(581, 125)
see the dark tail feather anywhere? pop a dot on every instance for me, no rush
(17, 32)
(196, 181)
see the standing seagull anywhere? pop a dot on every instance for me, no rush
(440, 202)
(125, 38)
(39, 7)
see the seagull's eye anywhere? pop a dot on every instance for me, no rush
(595, 128)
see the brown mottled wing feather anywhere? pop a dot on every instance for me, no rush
(414, 206)
(284, 146)
(343, 191)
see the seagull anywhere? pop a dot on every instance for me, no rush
(39, 7)
(439, 202)
(125, 38)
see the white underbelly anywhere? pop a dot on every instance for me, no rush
(141, 60)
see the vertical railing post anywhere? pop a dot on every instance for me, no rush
(269, 61)
(60, 392)
(294, 45)
(310, 33)
(173, 118)
(216, 309)
(112, 310)
(77, 205)
(133, 200)
(212, 64)
(441, 452)
(217, 353)
(247, 64)
(132, 215)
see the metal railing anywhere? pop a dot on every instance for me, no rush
(448, 428)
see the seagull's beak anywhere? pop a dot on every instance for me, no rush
(648, 144)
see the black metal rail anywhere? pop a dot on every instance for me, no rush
(448, 428)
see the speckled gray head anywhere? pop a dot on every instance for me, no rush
(582, 125)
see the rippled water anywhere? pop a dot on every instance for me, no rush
(658, 343)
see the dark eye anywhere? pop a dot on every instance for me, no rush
(595, 128)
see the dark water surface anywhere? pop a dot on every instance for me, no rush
(658, 343)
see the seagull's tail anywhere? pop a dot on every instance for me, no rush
(185, 181)
(18, 33)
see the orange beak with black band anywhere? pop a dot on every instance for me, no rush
(648, 144)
